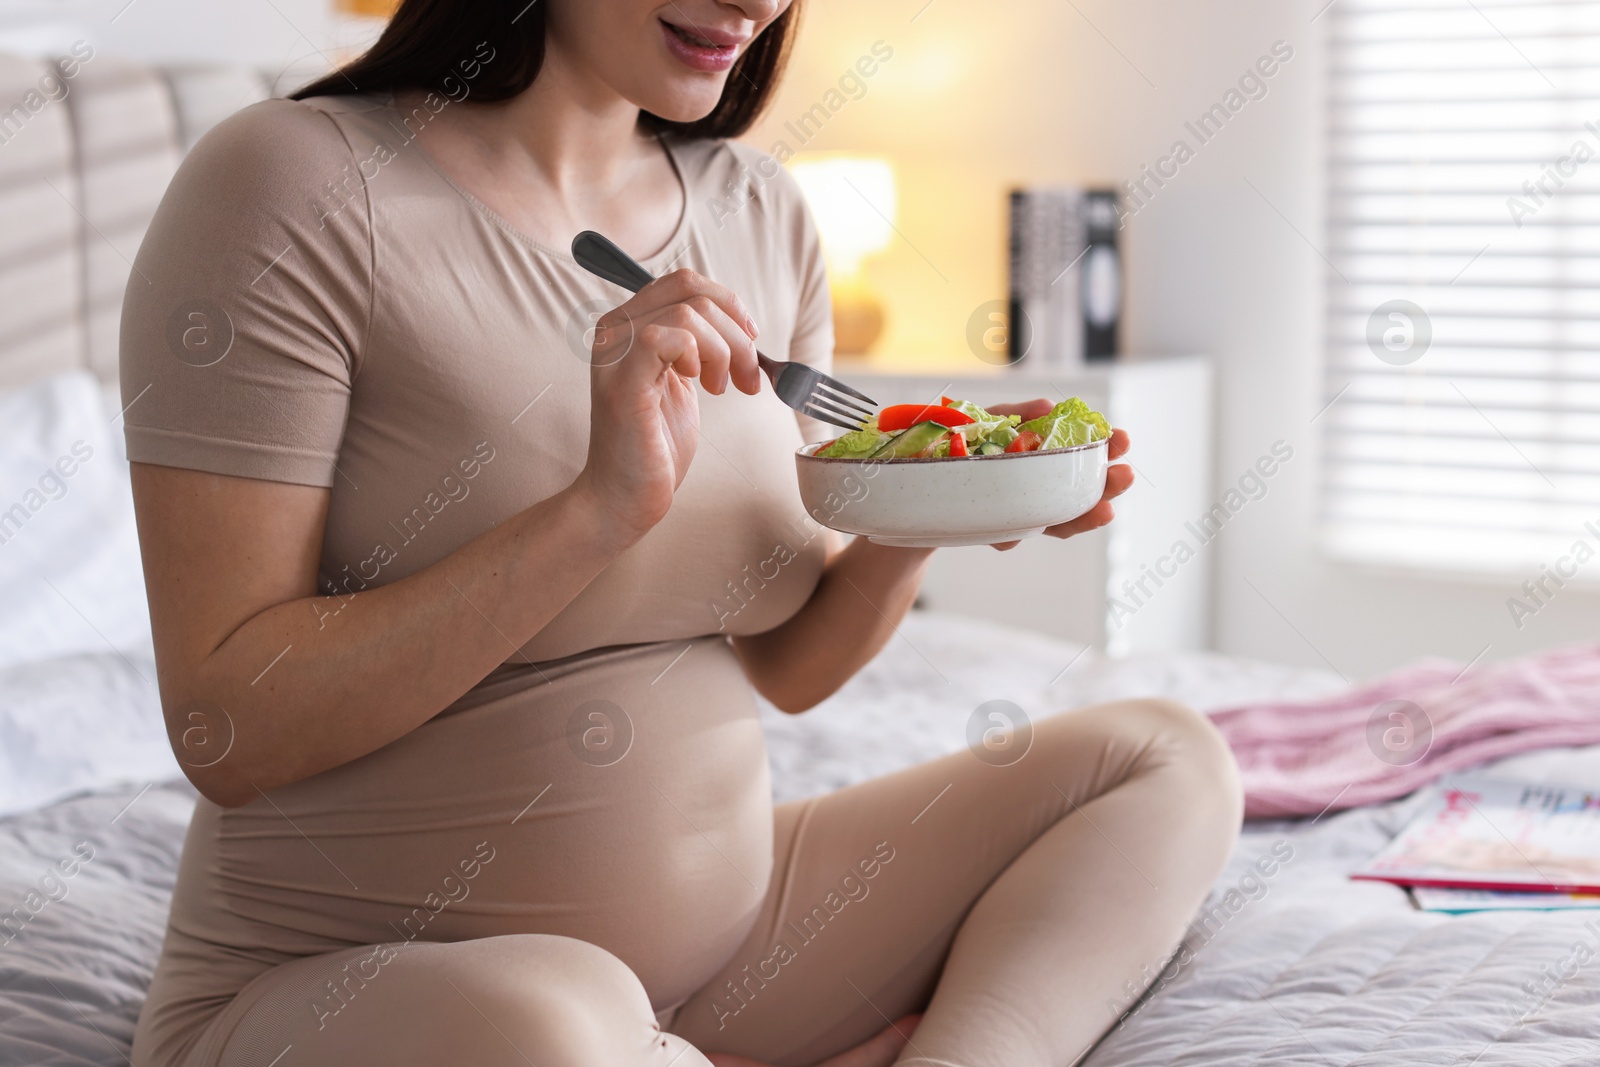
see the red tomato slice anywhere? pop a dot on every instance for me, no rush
(958, 445)
(1026, 441)
(904, 416)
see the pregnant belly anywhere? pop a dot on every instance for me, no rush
(622, 798)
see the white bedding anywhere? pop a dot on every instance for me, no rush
(78, 705)
(79, 722)
(913, 702)
(1311, 968)
(1307, 967)
(70, 577)
(76, 956)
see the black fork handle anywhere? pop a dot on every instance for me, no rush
(598, 255)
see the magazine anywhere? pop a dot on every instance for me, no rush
(1457, 901)
(1480, 833)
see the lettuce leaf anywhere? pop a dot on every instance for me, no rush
(971, 410)
(856, 444)
(1002, 435)
(1071, 422)
(985, 426)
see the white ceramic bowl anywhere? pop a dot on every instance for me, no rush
(969, 500)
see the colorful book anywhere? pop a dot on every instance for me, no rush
(1480, 833)
(1459, 901)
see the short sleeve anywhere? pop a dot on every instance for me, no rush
(249, 302)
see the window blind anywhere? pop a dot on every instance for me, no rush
(1462, 426)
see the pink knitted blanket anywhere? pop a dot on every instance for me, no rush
(1389, 737)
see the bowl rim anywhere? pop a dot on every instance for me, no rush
(802, 453)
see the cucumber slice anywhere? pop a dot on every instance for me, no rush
(989, 448)
(913, 442)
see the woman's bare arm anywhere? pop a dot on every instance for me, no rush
(865, 591)
(265, 682)
(254, 663)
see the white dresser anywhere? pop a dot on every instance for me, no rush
(1066, 588)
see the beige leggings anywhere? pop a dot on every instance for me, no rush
(1015, 904)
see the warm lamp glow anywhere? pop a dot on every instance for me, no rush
(853, 202)
(381, 9)
(852, 199)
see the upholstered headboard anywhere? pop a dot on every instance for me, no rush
(84, 160)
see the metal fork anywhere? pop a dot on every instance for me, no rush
(803, 388)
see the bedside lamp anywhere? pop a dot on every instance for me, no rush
(852, 199)
(380, 9)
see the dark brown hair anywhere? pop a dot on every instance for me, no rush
(431, 44)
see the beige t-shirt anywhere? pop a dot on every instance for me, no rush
(316, 303)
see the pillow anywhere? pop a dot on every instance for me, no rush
(70, 577)
(79, 708)
(79, 724)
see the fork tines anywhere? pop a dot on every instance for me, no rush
(839, 387)
(822, 416)
(829, 403)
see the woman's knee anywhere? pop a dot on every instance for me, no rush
(560, 1002)
(1171, 736)
(544, 976)
(1197, 744)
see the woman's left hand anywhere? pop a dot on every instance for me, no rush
(1118, 477)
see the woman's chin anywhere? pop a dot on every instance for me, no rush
(682, 107)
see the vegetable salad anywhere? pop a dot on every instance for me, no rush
(962, 428)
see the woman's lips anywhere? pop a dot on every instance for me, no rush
(698, 51)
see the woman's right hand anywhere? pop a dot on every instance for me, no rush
(644, 416)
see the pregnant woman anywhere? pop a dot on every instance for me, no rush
(462, 600)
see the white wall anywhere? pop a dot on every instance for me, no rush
(1217, 268)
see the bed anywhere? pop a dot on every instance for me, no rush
(1297, 966)
(1303, 966)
